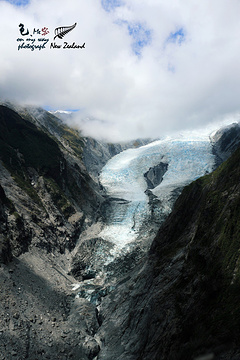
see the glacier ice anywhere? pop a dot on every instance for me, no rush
(188, 156)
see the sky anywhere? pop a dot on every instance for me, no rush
(148, 67)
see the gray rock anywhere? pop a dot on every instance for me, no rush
(225, 141)
(96, 153)
(155, 174)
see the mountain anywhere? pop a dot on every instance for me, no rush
(225, 141)
(133, 210)
(45, 184)
(71, 288)
(96, 153)
(182, 301)
(47, 200)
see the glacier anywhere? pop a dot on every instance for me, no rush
(188, 155)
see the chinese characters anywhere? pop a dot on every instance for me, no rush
(22, 30)
(35, 40)
(35, 31)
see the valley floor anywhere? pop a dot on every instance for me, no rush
(39, 315)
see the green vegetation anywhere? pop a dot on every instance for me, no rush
(59, 198)
(26, 186)
(74, 140)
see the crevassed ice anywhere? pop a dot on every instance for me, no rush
(189, 156)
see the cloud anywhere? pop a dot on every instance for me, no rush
(148, 67)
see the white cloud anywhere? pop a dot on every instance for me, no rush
(131, 75)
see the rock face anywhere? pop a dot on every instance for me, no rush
(155, 174)
(49, 194)
(97, 153)
(182, 301)
(5, 248)
(226, 141)
(47, 199)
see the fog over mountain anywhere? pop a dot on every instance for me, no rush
(148, 68)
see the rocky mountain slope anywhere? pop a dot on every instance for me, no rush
(50, 194)
(132, 212)
(182, 302)
(51, 205)
(47, 199)
(225, 141)
(97, 153)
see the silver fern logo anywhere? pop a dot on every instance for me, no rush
(60, 32)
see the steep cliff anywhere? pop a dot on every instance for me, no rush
(50, 194)
(97, 153)
(182, 302)
(225, 141)
(47, 199)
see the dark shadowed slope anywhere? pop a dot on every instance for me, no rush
(184, 301)
(50, 194)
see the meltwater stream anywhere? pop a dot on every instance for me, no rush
(188, 156)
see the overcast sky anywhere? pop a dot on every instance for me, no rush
(149, 67)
